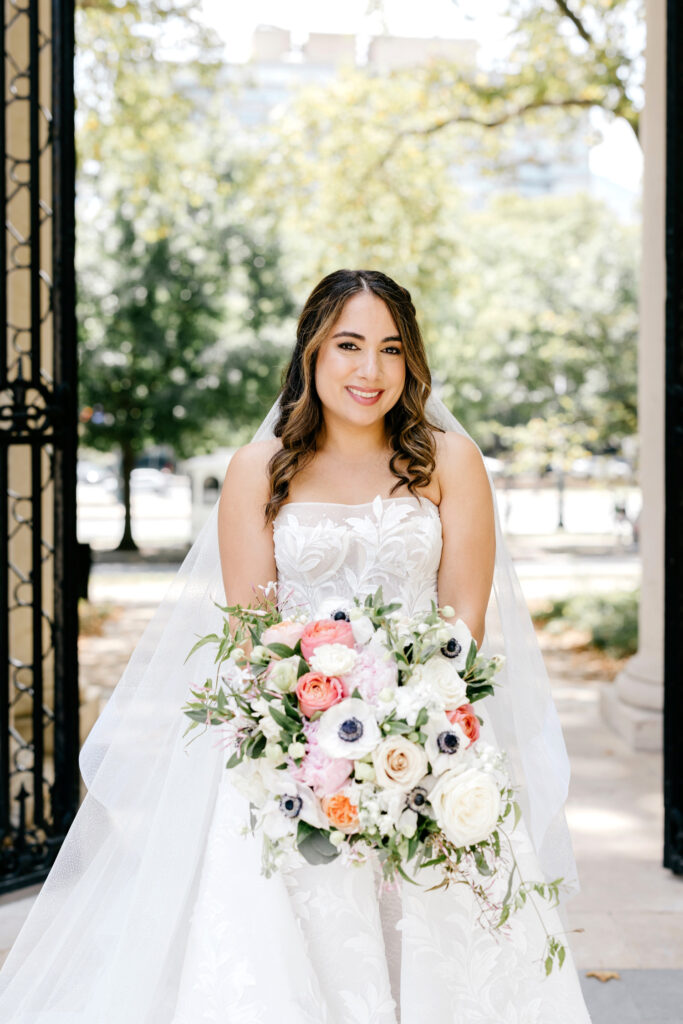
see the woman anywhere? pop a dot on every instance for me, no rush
(356, 490)
(155, 911)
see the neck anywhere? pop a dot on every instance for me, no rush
(340, 437)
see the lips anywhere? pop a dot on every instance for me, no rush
(365, 396)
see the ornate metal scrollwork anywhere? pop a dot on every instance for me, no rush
(38, 622)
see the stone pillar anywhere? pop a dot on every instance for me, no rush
(633, 705)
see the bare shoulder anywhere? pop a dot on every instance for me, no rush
(455, 454)
(247, 471)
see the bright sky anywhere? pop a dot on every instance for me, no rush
(618, 158)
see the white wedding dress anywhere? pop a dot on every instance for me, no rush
(324, 944)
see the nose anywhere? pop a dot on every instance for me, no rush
(369, 365)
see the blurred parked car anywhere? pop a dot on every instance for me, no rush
(93, 473)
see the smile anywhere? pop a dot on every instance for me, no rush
(364, 397)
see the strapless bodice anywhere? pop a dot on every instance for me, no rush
(326, 551)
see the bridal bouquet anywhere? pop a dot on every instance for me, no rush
(354, 734)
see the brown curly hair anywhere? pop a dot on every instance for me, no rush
(301, 418)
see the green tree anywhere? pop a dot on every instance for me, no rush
(182, 308)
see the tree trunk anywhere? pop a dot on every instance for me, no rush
(127, 464)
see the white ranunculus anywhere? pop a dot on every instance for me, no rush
(466, 805)
(333, 659)
(446, 744)
(379, 641)
(399, 763)
(363, 629)
(247, 779)
(283, 675)
(269, 727)
(348, 729)
(460, 633)
(441, 675)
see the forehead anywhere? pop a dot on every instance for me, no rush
(367, 310)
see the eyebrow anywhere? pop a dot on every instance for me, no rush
(361, 337)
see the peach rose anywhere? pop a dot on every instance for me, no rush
(325, 631)
(340, 812)
(284, 632)
(317, 692)
(467, 720)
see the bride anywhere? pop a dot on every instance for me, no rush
(155, 910)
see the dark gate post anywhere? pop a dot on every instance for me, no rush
(39, 739)
(673, 529)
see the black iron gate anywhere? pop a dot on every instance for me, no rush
(673, 651)
(39, 738)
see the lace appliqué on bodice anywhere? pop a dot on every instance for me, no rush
(325, 551)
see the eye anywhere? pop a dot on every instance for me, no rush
(347, 345)
(393, 350)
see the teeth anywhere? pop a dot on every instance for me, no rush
(364, 394)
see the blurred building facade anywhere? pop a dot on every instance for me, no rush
(280, 63)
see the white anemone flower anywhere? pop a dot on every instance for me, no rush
(348, 729)
(446, 744)
(456, 648)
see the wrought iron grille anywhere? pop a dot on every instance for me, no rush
(39, 789)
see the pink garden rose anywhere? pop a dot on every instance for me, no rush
(284, 632)
(325, 775)
(317, 692)
(370, 674)
(325, 631)
(467, 720)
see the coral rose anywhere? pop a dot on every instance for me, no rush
(325, 631)
(340, 812)
(467, 720)
(317, 692)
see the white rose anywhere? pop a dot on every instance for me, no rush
(333, 659)
(441, 675)
(348, 729)
(363, 629)
(399, 764)
(283, 674)
(466, 805)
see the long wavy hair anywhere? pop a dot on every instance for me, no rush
(409, 433)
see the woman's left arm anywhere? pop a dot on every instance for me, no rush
(469, 535)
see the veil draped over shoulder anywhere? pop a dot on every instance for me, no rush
(105, 937)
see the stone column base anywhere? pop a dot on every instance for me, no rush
(641, 728)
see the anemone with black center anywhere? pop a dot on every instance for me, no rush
(290, 805)
(448, 742)
(339, 614)
(452, 648)
(351, 729)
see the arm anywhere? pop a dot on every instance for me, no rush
(469, 537)
(245, 543)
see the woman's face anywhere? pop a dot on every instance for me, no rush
(360, 369)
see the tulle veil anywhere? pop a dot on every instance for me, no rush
(105, 937)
